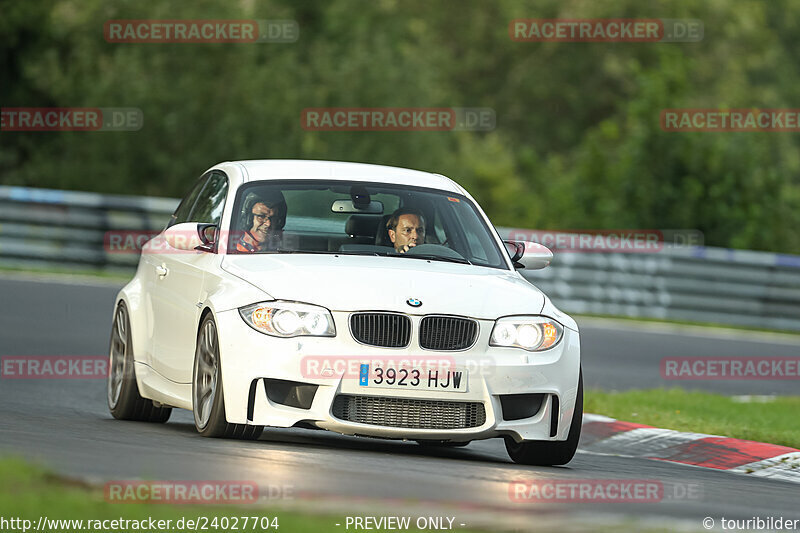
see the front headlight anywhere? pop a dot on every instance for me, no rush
(289, 319)
(532, 333)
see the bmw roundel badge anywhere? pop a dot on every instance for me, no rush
(413, 302)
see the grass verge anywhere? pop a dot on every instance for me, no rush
(68, 273)
(774, 422)
(29, 492)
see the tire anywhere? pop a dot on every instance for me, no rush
(208, 402)
(550, 453)
(122, 392)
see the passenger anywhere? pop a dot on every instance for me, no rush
(406, 228)
(263, 224)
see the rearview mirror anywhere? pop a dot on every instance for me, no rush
(348, 206)
(530, 255)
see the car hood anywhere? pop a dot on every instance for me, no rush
(369, 283)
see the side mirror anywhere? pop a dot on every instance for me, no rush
(208, 235)
(530, 255)
(190, 236)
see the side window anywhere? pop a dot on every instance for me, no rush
(181, 214)
(208, 207)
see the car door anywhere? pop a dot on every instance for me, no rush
(178, 286)
(153, 260)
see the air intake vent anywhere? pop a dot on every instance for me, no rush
(406, 413)
(554, 413)
(447, 333)
(386, 330)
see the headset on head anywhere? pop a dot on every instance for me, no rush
(274, 200)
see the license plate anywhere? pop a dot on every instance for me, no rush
(378, 377)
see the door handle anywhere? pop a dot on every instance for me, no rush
(162, 271)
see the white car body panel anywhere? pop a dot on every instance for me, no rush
(385, 283)
(165, 313)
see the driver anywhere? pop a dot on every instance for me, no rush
(406, 228)
(265, 218)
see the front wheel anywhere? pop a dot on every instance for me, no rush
(550, 453)
(124, 400)
(208, 403)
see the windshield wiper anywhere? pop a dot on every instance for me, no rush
(320, 252)
(435, 258)
(362, 252)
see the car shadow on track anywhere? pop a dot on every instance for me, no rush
(481, 451)
(490, 453)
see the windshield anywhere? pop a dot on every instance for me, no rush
(360, 218)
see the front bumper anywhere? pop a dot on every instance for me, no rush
(249, 357)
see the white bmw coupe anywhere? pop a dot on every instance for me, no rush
(361, 299)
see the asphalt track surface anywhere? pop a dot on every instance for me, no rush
(65, 424)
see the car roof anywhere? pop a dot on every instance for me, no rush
(271, 169)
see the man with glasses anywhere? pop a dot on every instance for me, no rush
(264, 221)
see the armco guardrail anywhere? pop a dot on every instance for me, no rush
(64, 229)
(717, 285)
